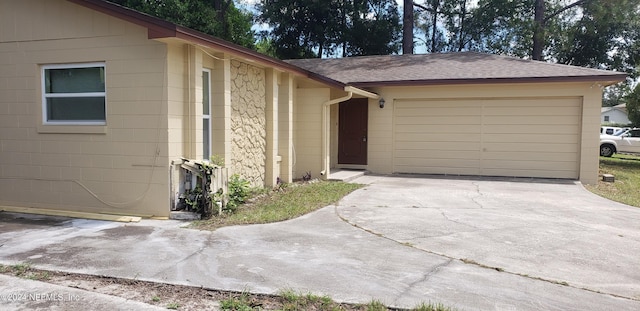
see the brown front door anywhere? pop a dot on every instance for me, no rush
(352, 133)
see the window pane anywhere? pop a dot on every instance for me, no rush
(76, 109)
(205, 139)
(205, 93)
(74, 80)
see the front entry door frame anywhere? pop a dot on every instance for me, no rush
(353, 117)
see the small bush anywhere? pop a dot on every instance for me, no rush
(238, 192)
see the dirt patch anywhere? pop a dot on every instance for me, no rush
(177, 297)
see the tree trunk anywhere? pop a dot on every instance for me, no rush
(463, 15)
(221, 7)
(538, 30)
(435, 5)
(407, 27)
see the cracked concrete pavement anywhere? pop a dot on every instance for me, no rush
(548, 230)
(473, 244)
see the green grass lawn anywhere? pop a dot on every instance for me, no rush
(292, 201)
(626, 188)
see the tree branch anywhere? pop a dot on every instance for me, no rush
(556, 13)
(420, 6)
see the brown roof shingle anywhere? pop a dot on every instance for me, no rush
(448, 68)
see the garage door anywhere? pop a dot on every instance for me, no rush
(523, 137)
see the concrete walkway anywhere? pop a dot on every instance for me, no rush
(22, 294)
(529, 245)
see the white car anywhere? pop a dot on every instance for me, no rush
(608, 130)
(626, 142)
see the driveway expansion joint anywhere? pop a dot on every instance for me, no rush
(475, 263)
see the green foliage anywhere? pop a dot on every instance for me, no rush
(240, 303)
(432, 307)
(373, 28)
(376, 305)
(604, 36)
(266, 46)
(615, 94)
(21, 269)
(219, 18)
(173, 306)
(192, 198)
(217, 160)
(286, 203)
(633, 106)
(310, 28)
(597, 34)
(238, 192)
(626, 169)
(292, 300)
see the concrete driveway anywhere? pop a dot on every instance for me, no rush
(549, 230)
(469, 244)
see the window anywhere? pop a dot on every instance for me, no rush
(74, 94)
(606, 118)
(206, 114)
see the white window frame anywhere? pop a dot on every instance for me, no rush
(206, 154)
(58, 95)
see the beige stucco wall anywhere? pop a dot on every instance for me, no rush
(118, 168)
(308, 130)
(248, 122)
(381, 127)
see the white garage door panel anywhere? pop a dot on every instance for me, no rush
(529, 165)
(544, 139)
(532, 148)
(426, 137)
(556, 110)
(436, 128)
(420, 145)
(526, 173)
(532, 137)
(441, 110)
(529, 156)
(423, 162)
(531, 128)
(528, 120)
(471, 169)
(442, 120)
(440, 154)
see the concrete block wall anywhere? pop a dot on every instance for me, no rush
(120, 167)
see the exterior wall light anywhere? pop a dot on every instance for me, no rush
(381, 102)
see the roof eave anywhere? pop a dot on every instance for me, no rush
(158, 28)
(248, 54)
(604, 80)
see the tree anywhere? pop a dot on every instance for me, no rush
(372, 29)
(219, 18)
(407, 27)
(312, 28)
(633, 106)
(540, 20)
(301, 28)
(605, 36)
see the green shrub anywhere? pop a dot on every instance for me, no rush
(238, 192)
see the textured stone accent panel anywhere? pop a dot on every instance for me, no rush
(248, 122)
